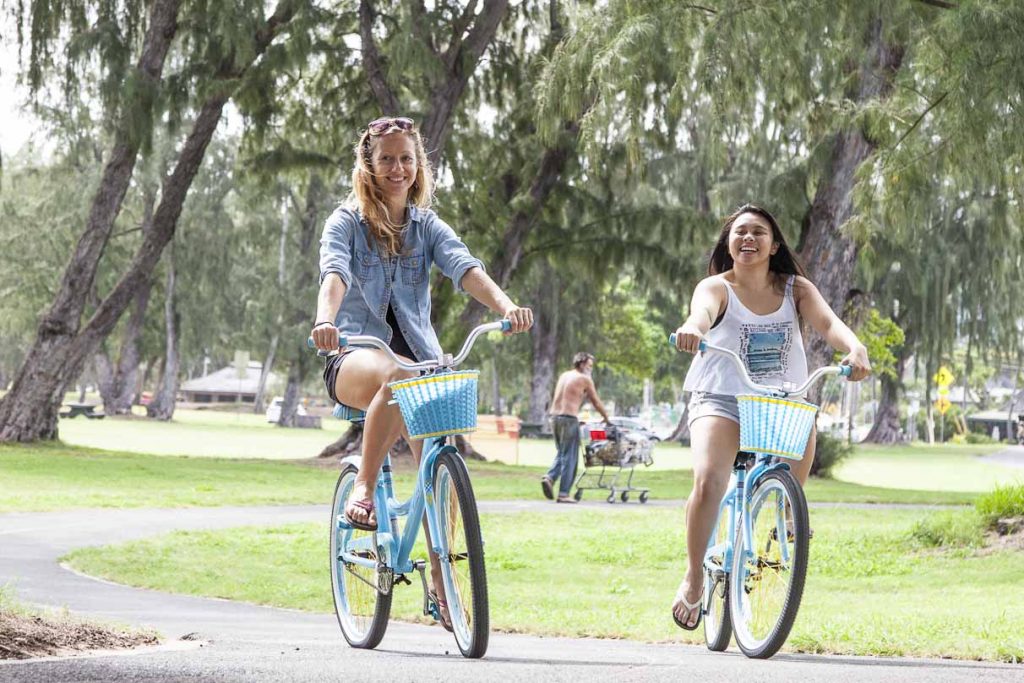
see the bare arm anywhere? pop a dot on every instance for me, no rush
(328, 301)
(485, 290)
(708, 299)
(590, 391)
(815, 310)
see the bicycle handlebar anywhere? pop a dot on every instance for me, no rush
(842, 370)
(445, 361)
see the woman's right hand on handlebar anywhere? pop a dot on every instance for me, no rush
(688, 338)
(325, 337)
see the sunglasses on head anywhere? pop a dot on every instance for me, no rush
(386, 123)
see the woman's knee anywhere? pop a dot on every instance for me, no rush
(709, 485)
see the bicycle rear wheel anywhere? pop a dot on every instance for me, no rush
(717, 624)
(770, 567)
(462, 559)
(362, 610)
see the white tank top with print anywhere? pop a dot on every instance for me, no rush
(770, 346)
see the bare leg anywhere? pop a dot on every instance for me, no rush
(713, 441)
(363, 383)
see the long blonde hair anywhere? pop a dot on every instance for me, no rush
(368, 197)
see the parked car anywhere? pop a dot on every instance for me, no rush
(634, 425)
(274, 409)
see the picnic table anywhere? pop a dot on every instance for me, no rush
(87, 409)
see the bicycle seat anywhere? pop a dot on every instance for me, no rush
(344, 412)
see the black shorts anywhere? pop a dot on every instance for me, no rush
(331, 366)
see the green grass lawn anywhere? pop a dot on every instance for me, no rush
(948, 467)
(202, 433)
(52, 476)
(599, 574)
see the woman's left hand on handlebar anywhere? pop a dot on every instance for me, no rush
(520, 317)
(858, 358)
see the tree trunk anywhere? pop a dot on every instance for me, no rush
(350, 443)
(290, 404)
(545, 346)
(886, 429)
(162, 405)
(458, 62)
(268, 364)
(830, 255)
(682, 431)
(509, 253)
(29, 411)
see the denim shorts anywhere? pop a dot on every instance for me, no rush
(704, 403)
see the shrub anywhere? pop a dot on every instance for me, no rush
(828, 452)
(1003, 502)
(959, 529)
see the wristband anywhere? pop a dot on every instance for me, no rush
(324, 322)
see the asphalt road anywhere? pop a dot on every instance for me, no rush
(218, 640)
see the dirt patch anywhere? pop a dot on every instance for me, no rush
(24, 635)
(1008, 535)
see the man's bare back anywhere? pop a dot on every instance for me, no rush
(573, 388)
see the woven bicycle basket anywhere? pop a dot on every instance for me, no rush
(775, 426)
(438, 404)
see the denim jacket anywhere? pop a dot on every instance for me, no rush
(373, 280)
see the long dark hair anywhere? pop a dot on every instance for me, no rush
(782, 262)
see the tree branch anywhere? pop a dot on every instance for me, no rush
(920, 118)
(371, 61)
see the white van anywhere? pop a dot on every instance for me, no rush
(274, 409)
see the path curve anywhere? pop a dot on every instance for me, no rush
(229, 641)
(1012, 456)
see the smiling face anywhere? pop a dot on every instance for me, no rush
(394, 165)
(750, 240)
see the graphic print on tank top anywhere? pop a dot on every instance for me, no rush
(764, 348)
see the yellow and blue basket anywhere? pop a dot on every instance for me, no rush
(438, 405)
(775, 426)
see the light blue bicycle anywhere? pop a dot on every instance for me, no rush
(755, 565)
(366, 566)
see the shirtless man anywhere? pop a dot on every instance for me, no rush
(573, 388)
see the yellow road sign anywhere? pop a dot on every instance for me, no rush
(944, 377)
(942, 405)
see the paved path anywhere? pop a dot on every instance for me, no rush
(1012, 456)
(227, 641)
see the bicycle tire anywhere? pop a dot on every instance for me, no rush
(459, 523)
(717, 622)
(751, 582)
(362, 610)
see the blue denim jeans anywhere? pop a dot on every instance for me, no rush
(567, 441)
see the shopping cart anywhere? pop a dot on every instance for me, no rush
(613, 449)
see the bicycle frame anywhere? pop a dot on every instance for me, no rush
(398, 546)
(736, 504)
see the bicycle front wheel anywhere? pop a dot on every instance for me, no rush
(361, 608)
(717, 625)
(462, 556)
(769, 568)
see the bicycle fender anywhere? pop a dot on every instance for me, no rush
(355, 460)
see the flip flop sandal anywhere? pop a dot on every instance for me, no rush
(441, 605)
(367, 505)
(696, 605)
(547, 488)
